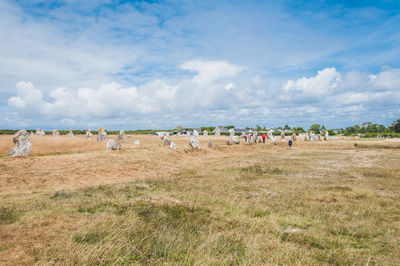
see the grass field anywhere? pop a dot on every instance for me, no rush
(73, 202)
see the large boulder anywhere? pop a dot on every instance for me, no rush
(235, 140)
(194, 143)
(22, 144)
(121, 137)
(113, 145)
(101, 135)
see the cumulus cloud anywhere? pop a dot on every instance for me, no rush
(114, 100)
(216, 100)
(210, 71)
(322, 84)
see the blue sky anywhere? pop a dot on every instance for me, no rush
(159, 64)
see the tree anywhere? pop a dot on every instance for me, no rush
(286, 127)
(316, 128)
(396, 126)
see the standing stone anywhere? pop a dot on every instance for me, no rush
(314, 137)
(326, 135)
(88, 133)
(209, 143)
(194, 143)
(272, 138)
(205, 133)
(70, 134)
(55, 132)
(282, 135)
(172, 145)
(166, 140)
(195, 133)
(40, 132)
(188, 133)
(121, 137)
(231, 132)
(101, 135)
(22, 144)
(235, 140)
(31, 133)
(113, 145)
(217, 133)
(307, 137)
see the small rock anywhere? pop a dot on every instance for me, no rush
(293, 230)
(172, 145)
(137, 142)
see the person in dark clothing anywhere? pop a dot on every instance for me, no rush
(263, 137)
(290, 143)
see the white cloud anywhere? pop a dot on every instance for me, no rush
(320, 85)
(210, 71)
(387, 80)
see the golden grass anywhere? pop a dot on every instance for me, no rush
(73, 202)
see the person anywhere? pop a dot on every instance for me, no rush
(263, 137)
(290, 143)
(245, 138)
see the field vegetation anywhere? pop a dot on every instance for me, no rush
(73, 202)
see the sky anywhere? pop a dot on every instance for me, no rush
(159, 64)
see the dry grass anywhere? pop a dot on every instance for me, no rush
(72, 202)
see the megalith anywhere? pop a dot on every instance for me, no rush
(22, 144)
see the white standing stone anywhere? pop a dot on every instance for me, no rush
(101, 135)
(195, 133)
(231, 132)
(172, 145)
(166, 140)
(209, 143)
(194, 143)
(70, 134)
(205, 133)
(121, 137)
(113, 145)
(40, 132)
(22, 144)
(217, 133)
(272, 138)
(89, 134)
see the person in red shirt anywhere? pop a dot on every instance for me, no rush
(263, 137)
